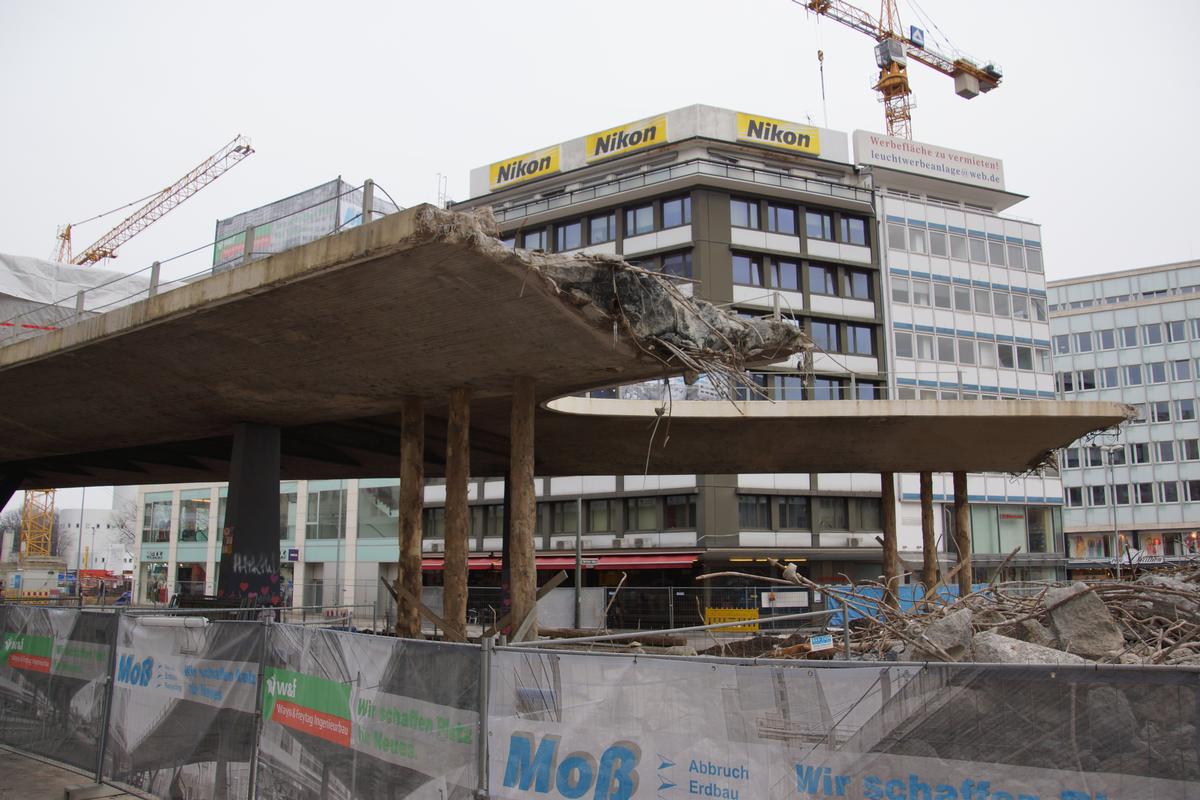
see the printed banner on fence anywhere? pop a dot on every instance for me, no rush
(369, 711)
(567, 726)
(184, 698)
(52, 667)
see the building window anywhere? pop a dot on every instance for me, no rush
(920, 293)
(941, 295)
(1166, 452)
(1000, 304)
(897, 237)
(754, 512)
(945, 349)
(326, 510)
(601, 516)
(825, 335)
(641, 513)
(1193, 491)
(793, 513)
(677, 264)
(978, 248)
(743, 213)
(1160, 411)
(785, 275)
(900, 290)
(868, 390)
(781, 219)
(1025, 358)
(1016, 256)
(937, 244)
(854, 230)
(564, 517)
(1062, 344)
(966, 352)
(1097, 496)
(958, 247)
(639, 220)
(1133, 375)
(1074, 496)
(860, 340)
(433, 523)
(487, 520)
(1129, 336)
(568, 236)
(156, 517)
(534, 240)
(1105, 340)
(962, 299)
(193, 515)
(916, 240)
(1109, 378)
(858, 284)
(1152, 334)
(1005, 356)
(1094, 457)
(1087, 380)
(747, 270)
(1071, 458)
(827, 388)
(1181, 370)
(1168, 492)
(996, 254)
(1139, 452)
(1156, 372)
(602, 228)
(1185, 409)
(1083, 342)
(818, 225)
(1189, 450)
(1033, 259)
(1121, 494)
(677, 212)
(791, 387)
(904, 344)
(679, 512)
(1177, 331)
(831, 514)
(822, 279)
(1144, 493)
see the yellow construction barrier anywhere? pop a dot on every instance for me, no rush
(714, 615)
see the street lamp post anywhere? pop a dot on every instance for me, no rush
(1112, 489)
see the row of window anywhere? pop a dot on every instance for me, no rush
(975, 249)
(968, 299)
(1163, 452)
(784, 218)
(751, 269)
(1085, 380)
(971, 352)
(1179, 330)
(645, 217)
(804, 513)
(678, 264)
(1138, 493)
(781, 386)
(1124, 298)
(914, 393)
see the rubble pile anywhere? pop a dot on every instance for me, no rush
(1151, 619)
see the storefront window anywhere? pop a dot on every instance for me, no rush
(153, 580)
(1085, 546)
(379, 508)
(1012, 528)
(222, 506)
(194, 505)
(326, 510)
(985, 532)
(1038, 518)
(156, 518)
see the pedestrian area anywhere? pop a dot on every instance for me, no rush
(30, 778)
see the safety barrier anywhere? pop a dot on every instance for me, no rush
(184, 707)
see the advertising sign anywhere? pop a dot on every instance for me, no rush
(778, 133)
(935, 161)
(537, 164)
(626, 138)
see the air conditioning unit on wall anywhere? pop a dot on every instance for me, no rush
(852, 541)
(560, 545)
(618, 543)
(435, 547)
(641, 542)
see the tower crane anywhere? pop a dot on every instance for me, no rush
(158, 205)
(892, 52)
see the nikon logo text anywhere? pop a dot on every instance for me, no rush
(778, 133)
(626, 138)
(524, 168)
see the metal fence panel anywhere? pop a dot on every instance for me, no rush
(183, 718)
(52, 689)
(353, 716)
(573, 725)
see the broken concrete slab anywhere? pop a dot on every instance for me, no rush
(990, 647)
(1081, 623)
(1031, 631)
(951, 634)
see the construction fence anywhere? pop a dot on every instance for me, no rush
(181, 707)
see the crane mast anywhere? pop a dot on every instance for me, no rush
(160, 204)
(892, 52)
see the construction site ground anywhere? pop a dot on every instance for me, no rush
(32, 778)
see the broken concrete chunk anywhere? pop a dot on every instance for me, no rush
(1081, 622)
(990, 647)
(951, 633)
(1028, 630)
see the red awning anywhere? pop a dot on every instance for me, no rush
(624, 561)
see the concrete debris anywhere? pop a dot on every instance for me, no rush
(685, 335)
(1028, 630)
(950, 634)
(989, 647)
(1081, 622)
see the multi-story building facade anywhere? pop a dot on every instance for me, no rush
(764, 217)
(1131, 336)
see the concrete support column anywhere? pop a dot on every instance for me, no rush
(891, 562)
(523, 514)
(962, 533)
(250, 541)
(458, 468)
(928, 540)
(412, 495)
(212, 557)
(300, 570)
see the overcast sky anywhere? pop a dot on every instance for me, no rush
(104, 103)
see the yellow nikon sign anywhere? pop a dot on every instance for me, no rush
(524, 168)
(626, 138)
(778, 133)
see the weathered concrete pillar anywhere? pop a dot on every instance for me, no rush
(458, 467)
(524, 505)
(962, 533)
(928, 540)
(412, 491)
(891, 562)
(250, 540)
